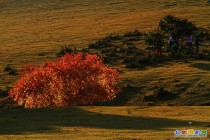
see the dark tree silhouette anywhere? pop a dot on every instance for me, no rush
(155, 39)
(177, 27)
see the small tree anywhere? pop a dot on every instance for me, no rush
(178, 28)
(71, 80)
(156, 40)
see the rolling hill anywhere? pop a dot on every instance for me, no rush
(33, 31)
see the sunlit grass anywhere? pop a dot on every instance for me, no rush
(32, 27)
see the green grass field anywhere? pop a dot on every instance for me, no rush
(32, 32)
(101, 122)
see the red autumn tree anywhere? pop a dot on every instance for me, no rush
(71, 80)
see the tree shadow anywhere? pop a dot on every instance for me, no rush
(20, 121)
(122, 98)
(202, 66)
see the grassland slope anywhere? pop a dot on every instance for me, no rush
(33, 31)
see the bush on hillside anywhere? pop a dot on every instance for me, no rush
(132, 33)
(154, 39)
(10, 70)
(71, 80)
(104, 42)
(64, 50)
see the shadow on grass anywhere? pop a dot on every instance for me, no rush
(122, 98)
(19, 121)
(203, 66)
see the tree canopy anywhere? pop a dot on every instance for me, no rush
(155, 39)
(177, 27)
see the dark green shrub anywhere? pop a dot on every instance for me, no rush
(128, 59)
(64, 50)
(13, 72)
(110, 54)
(8, 68)
(177, 27)
(85, 50)
(155, 39)
(105, 50)
(132, 65)
(100, 44)
(132, 33)
(104, 42)
(144, 59)
(4, 93)
(133, 39)
(91, 45)
(113, 37)
(41, 54)
(137, 61)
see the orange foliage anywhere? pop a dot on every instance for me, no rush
(71, 80)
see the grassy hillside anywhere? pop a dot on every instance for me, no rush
(102, 122)
(166, 80)
(32, 31)
(189, 82)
